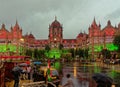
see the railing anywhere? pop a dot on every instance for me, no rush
(37, 84)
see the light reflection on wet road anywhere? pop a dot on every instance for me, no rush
(82, 73)
(79, 74)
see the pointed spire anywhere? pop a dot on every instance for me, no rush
(3, 26)
(11, 27)
(94, 22)
(94, 19)
(16, 22)
(16, 25)
(109, 23)
(55, 18)
(99, 24)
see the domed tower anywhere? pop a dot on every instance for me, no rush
(55, 34)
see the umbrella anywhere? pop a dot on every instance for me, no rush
(23, 64)
(17, 69)
(37, 62)
(102, 79)
(16, 72)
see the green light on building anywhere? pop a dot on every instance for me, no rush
(54, 53)
(9, 47)
(109, 46)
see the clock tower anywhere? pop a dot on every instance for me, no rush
(55, 34)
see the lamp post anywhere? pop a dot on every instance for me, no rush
(113, 85)
(22, 46)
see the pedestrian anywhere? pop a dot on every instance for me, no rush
(69, 82)
(29, 71)
(16, 73)
(24, 72)
(35, 76)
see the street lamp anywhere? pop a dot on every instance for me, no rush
(113, 85)
(22, 45)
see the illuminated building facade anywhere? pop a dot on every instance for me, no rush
(9, 40)
(101, 38)
(96, 39)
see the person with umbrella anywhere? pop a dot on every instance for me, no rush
(102, 80)
(16, 73)
(29, 69)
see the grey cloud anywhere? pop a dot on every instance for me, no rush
(114, 15)
(36, 15)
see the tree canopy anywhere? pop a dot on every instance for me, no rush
(116, 41)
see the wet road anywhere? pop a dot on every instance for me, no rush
(81, 74)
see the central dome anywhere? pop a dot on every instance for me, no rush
(55, 23)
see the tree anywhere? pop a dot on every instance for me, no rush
(86, 53)
(60, 46)
(47, 48)
(80, 53)
(116, 41)
(106, 54)
(29, 52)
(72, 51)
(36, 53)
(41, 54)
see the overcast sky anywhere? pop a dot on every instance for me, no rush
(76, 15)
